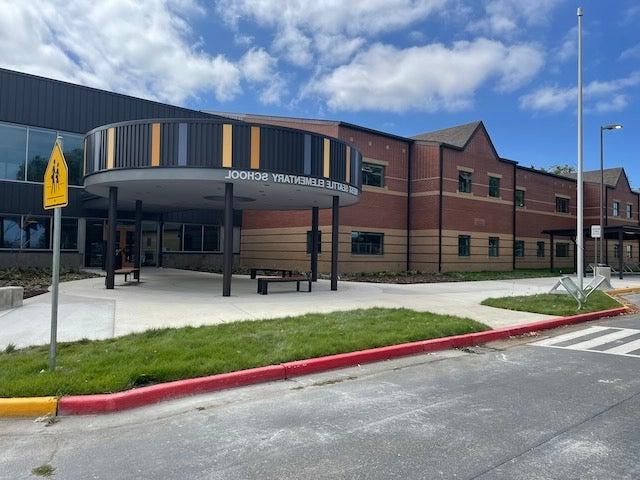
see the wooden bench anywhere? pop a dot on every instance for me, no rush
(263, 282)
(267, 271)
(128, 271)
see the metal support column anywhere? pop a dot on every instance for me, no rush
(575, 255)
(138, 240)
(335, 225)
(227, 252)
(111, 238)
(620, 253)
(160, 240)
(314, 243)
(551, 251)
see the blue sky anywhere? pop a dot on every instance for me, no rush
(402, 66)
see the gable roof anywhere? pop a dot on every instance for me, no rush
(611, 176)
(457, 136)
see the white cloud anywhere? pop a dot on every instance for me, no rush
(569, 47)
(506, 17)
(142, 48)
(260, 68)
(598, 96)
(331, 29)
(631, 53)
(431, 77)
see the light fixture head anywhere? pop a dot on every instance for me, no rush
(612, 127)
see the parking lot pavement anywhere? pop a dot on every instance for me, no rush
(528, 408)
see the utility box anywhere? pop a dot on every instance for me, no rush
(605, 272)
(11, 297)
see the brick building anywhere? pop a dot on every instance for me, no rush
(444, 201)
(439, 201)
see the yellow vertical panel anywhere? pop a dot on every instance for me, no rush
(327, 157)
(255, 147)
(348, 164)
(155, 145)
(227, 135)
(111, 144)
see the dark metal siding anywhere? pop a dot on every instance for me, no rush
(26, 199)
(47, 103)
(338, 166)
(205, 145)
(241, 147)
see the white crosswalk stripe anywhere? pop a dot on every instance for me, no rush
(592, 339)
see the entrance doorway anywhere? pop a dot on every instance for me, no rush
(96, 244)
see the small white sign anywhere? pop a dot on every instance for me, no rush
(595, 231)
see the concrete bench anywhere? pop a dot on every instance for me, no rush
(11, 297)
(263, 282)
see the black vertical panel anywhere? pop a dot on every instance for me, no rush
(168, 144)
(282, 150)
(204, 145)
(241, 147)
(317, 158)
(338, 166)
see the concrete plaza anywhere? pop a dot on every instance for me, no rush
(178, 298)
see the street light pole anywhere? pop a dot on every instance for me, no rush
(580, 212)
(602, 130)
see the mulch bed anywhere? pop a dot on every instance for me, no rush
(36, 281)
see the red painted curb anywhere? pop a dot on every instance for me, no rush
(111, 402)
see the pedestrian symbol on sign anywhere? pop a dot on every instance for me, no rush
(56, 177)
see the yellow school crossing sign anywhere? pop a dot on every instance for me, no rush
(56, 180)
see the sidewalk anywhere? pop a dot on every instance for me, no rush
(177, 298)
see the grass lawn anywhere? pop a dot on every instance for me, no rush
(413, 276)
(171, 354)
(553, 304)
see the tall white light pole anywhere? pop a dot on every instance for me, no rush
(580, 212)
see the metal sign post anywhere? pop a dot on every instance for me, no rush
(55, 196)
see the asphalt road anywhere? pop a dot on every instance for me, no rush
(511, 410)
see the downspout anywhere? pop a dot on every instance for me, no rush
(513, 249)
(440, 209)
(409, 178)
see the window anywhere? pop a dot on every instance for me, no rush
(494, 187)
(629, 249)
(464, 181)
(211, 241)
(562, 250)
(309, 238)
(73, 149)
(464, 245)
(372, 175)
(562, 205)
(69, 234)
(494, 247)
(38, 153)
(616, 251)
(519, 198)
(172, 237)
(539, 249)
(13, 145)
(10, 232)
(367, 243)
(616, 209)
(192, 238)
(36, 232)
(629, 210)
(519, 248)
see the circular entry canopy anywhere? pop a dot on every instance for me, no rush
(172, 164)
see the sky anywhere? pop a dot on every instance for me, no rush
(400, 66)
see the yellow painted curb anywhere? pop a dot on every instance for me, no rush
(621, 291)
(28, 407)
